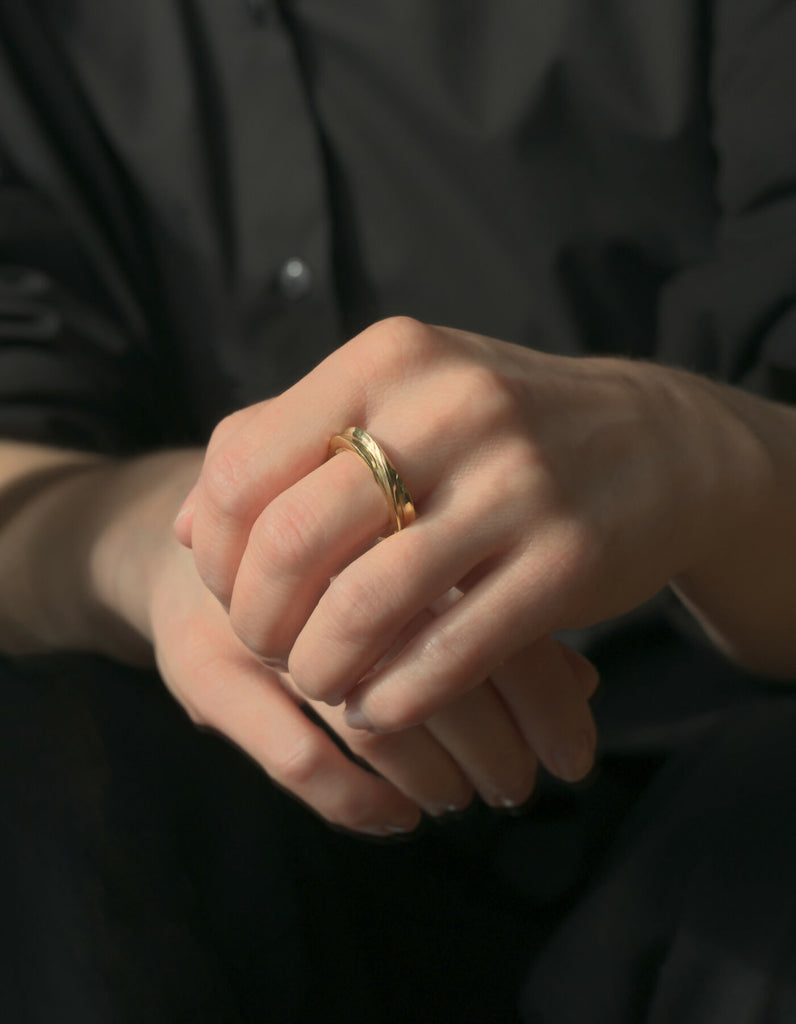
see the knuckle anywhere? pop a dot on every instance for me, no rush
(493, 422)
(348, 810)
(351, 604)
(247, 627)
(514, 479)
(237, 422)
(287, 535)
(400, 341)
(300, 763)
(498, 406)
(443, 650)
(483, 384)
(406, 331)
(223, 483)
(223, 430)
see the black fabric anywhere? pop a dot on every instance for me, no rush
(533, 172)
(149, 871)
(569, 177)
(695, 920)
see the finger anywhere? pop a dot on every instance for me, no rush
(306, 535)
(546, 691)
(224, 687)
(267, 450)
(492, 622)
(183, 523)
(241, 477)
(585, 671)
(412, 760)
(478, 731)
(372, 600)
(277, 443)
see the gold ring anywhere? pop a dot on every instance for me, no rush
(399, 500)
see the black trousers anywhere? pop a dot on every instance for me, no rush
(149, 871)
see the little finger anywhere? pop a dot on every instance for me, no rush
(547, 693)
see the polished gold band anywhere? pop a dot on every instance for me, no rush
(399, 501)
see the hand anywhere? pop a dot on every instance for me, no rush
(431, 768)
(143, 576)
(552, 492)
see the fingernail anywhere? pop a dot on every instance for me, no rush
(383, 831)
(356, 718)
(574, 761)
(499, 801)
(439, 810)
(374, 830)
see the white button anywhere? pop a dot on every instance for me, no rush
(295, 278)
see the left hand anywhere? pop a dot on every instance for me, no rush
(552, 492)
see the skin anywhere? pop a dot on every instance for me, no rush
(95, 544)
(551, 493)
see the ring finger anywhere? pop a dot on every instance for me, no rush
(315, 531)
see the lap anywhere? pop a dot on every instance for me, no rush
(150, 871)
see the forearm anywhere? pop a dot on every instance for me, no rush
(79, 537)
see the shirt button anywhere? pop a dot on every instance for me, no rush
(294, 278)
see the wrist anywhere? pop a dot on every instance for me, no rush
(720, 478)
(78, 561)
(133, 544)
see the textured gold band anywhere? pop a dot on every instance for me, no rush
(399, 501)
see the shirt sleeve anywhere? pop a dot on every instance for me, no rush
(82, 356)
(734, 316)
(71, 373)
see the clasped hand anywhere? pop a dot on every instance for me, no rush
(551, 493)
